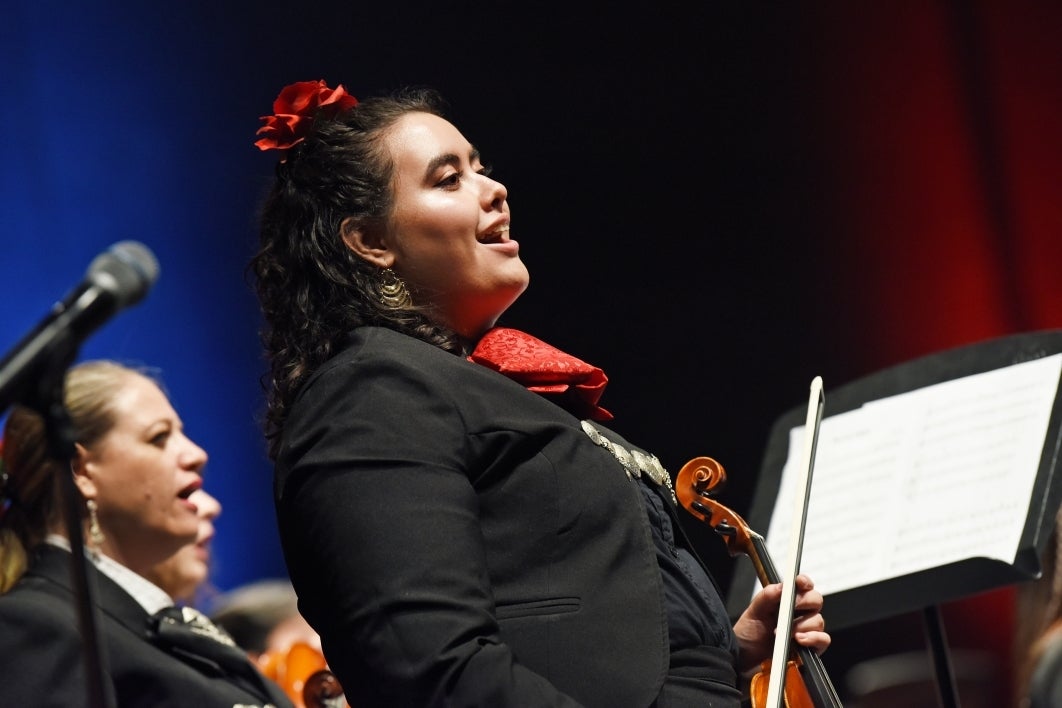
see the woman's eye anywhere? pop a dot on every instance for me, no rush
(450, 180)
(159, 439)
(486, 170)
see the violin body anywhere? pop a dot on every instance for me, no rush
(806, 684)
(796, 694)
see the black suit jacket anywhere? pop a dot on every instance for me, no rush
(459, 541)
(42, 653)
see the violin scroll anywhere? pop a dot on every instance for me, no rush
(322, 690)
(695, 484)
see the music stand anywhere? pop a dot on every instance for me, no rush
(880, 594)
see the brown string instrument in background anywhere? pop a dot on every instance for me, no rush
(304, 676)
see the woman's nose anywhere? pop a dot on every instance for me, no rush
(495, 193)
(193, 457)
(209, 507)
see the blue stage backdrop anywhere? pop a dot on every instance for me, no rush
(125, 121)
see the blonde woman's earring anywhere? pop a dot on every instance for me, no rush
(96, 536)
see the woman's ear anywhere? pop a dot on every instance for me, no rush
(79, 467)
(368, 243)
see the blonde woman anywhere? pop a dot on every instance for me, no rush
(138, 473)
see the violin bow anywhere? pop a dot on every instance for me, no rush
(784, 628)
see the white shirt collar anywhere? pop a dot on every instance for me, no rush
(148, 595)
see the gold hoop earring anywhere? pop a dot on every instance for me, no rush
(96, 537)
(393, 292)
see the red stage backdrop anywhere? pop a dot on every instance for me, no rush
(940, 130)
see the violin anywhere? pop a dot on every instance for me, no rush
(806, 684)
(303, 674)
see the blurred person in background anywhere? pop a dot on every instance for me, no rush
(184, 575)
(1038, 632)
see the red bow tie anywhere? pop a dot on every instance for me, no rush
(544, 369)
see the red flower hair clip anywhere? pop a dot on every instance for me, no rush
(295, 110)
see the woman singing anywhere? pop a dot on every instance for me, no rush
(139, 476)
(460, 526)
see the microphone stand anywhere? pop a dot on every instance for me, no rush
(47, 399)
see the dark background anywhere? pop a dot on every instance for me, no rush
(716, 202)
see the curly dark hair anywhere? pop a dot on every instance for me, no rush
(312, 288)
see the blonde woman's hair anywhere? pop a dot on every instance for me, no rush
(33, 491)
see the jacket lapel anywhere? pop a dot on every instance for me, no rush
(53, 564)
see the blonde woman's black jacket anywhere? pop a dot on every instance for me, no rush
(42, 652)
(459, 541)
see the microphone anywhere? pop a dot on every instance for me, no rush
(118, 277)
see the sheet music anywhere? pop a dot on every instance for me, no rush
(921, 479)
